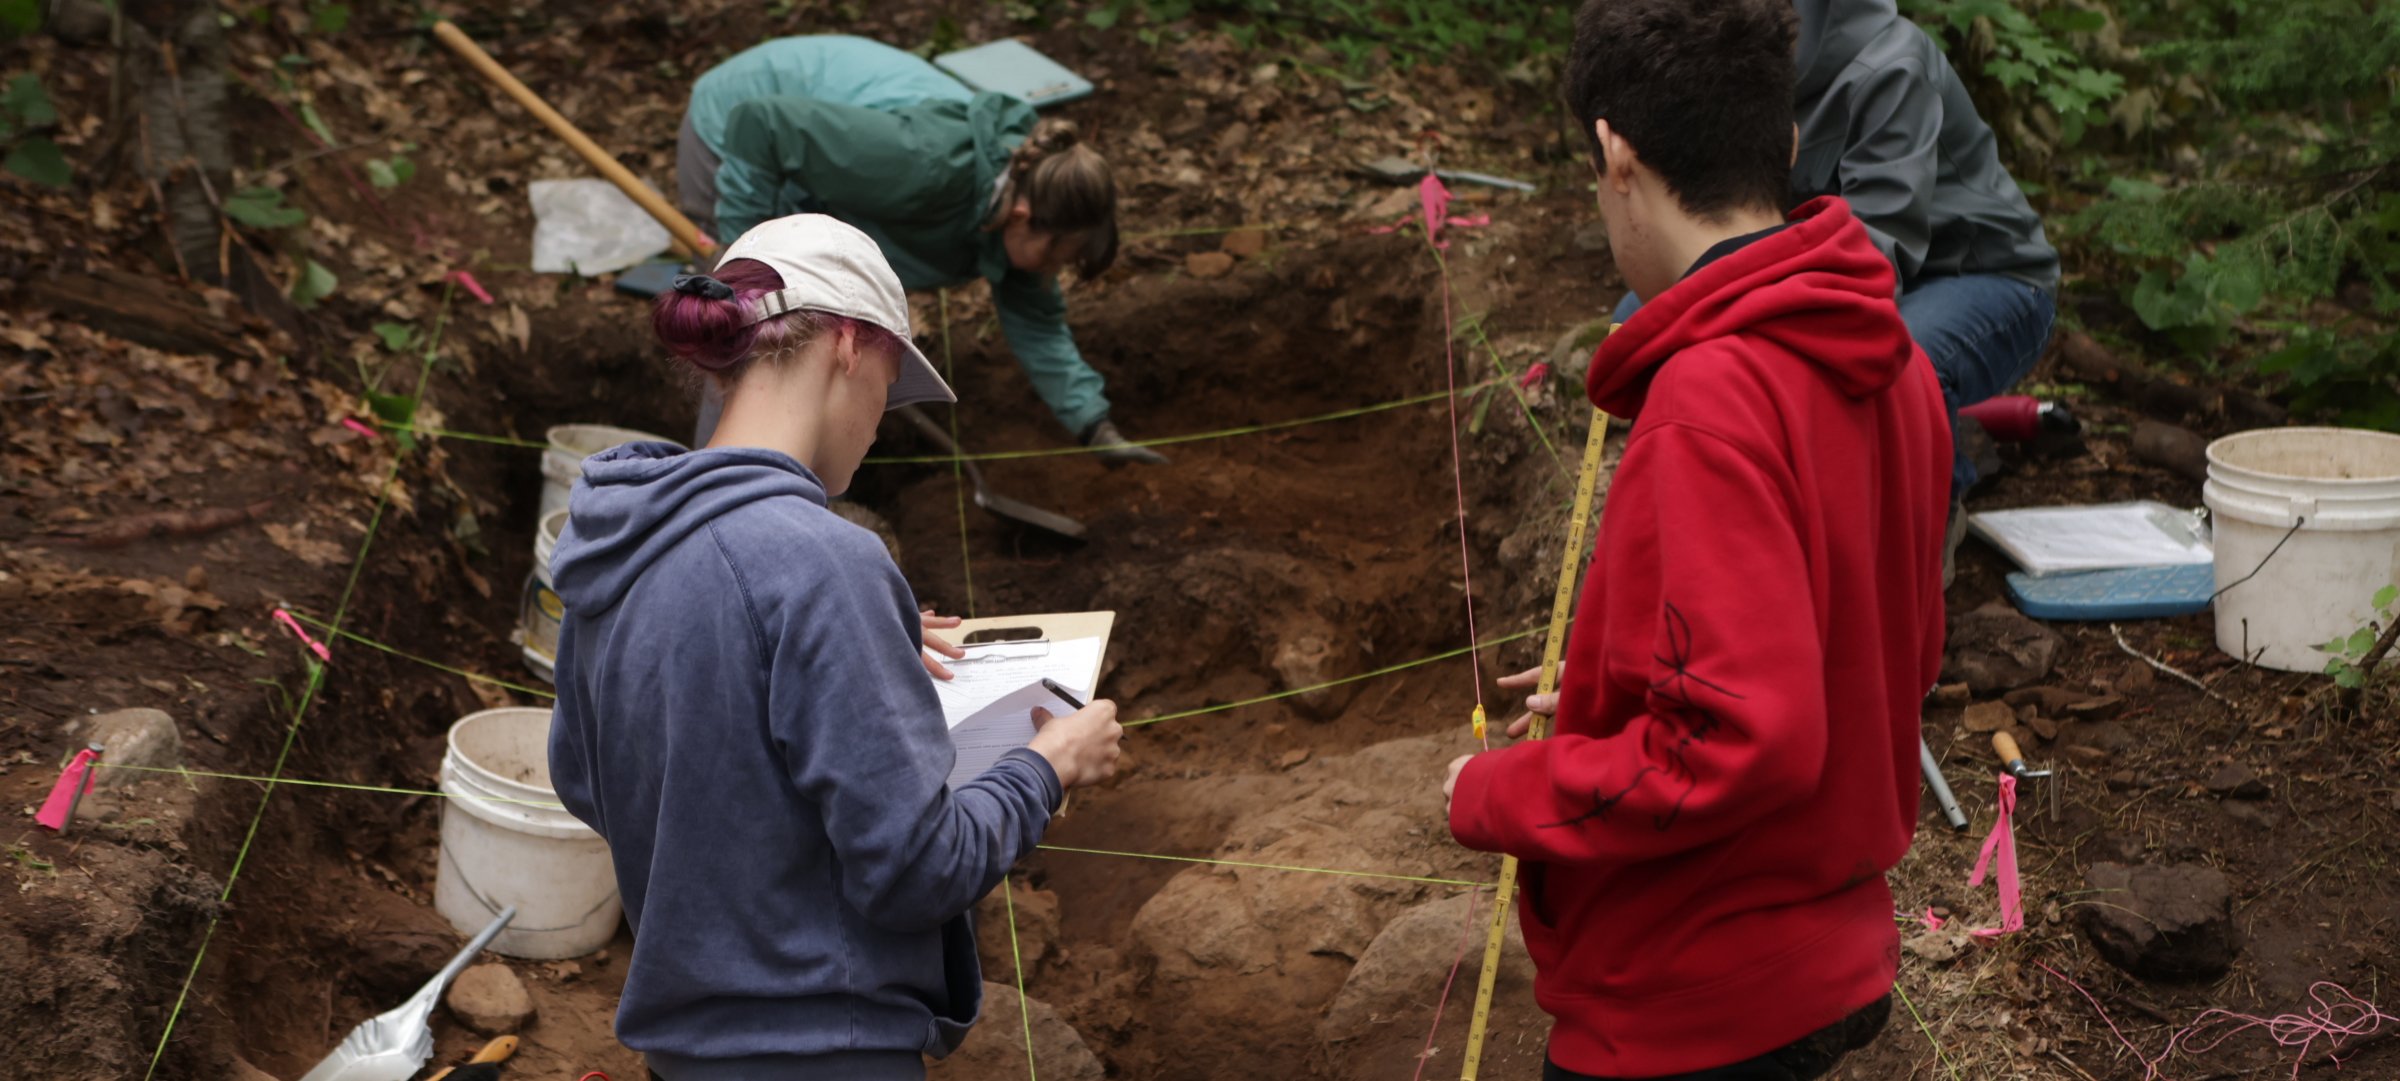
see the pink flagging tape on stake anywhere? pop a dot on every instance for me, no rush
(2003, 843)
(1535, 374)
(467, 280)
(314, 646)
(353, 424)
(75, 780)
(1932, 922)
(1435, 199)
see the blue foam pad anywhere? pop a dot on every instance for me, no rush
(1012, 67)
(2133, 593)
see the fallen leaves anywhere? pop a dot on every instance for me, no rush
(314, 551)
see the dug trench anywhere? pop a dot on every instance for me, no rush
(1254, 564)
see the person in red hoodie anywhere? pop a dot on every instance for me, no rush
(1735, 763)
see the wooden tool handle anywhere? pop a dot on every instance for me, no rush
(688, 239)
(2005, 746)
(496, 1051)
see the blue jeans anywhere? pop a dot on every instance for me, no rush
(1983, 332)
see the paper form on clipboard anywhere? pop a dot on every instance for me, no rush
(989, 704)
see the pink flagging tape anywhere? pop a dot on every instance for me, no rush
(1932, 922)
(353, 424)
(1535, 374)
(2003, 843)
(473, 287)
(74, 781)
(314, 646)
(1433, 204)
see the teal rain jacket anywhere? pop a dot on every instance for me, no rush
(890, 144)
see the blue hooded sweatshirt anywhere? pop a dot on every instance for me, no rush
(743, 715)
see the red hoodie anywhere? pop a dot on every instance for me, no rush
(1735, 762)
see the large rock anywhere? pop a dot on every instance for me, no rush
(1995, 648)
(491, 1000)
(1242, 962)
(2170, 922)
(133, 737)
(1404, 969)
(995, 1050)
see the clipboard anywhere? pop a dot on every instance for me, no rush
(1052, 626)
(1010, 672)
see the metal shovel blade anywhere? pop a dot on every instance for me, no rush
(393, 1046)
(992, 502)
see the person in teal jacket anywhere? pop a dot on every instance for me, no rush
(953, 185)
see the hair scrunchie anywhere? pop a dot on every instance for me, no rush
(701, 285)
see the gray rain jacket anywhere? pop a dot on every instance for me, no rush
(1886, 123)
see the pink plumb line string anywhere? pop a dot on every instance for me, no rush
(2337, 1016)
(2003, 844)
(1466, 938)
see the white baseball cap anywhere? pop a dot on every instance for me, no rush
(828, 265)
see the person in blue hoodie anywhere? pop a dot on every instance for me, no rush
(744, 712)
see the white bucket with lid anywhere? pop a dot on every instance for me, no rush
(505, 841)
(570, 444)
(2330, 498)
(539, 613)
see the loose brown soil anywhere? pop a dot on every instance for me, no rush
(1251, 565)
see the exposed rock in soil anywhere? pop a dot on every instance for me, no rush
(133, 737)
(1404, 968)
(1995, 648)
(2169, 922)
(1240, 962)
(491, 1000)
(2048, 701)
(2234, 780)
(1988, 716)
(995, 1049)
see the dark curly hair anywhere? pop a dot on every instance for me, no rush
(1701, 88)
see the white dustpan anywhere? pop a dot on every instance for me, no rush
(394, 1045)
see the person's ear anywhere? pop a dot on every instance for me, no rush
(845, 349)
(1616, 158)
(1795, 146)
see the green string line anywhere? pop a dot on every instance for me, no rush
(1939, 1055)
(1401, 667)
(551, 805)
(1041, 452)
(386, 790)
(1024, 1012)
(308, 697)
(958, 479)
(426, 661)
(1171, 440)
(1265, 866)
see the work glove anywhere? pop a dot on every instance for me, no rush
(1113, 449)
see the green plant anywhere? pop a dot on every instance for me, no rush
(24, 108)
(2034, 53)
(2354, 655)
(391, 172)
(25, 858)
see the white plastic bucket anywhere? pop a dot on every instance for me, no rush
(539, 613)
(570, 444)
(2331, 498)
(538, 858)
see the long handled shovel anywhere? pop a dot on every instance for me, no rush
(998, 505)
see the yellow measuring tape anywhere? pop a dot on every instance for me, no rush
(1562, 605)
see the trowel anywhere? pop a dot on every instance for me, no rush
(393, 1046)
(999, 505)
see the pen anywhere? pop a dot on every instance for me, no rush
(1063, 694)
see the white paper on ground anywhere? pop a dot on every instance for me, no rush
(587, 226)
(990, 702)
(2057, 540)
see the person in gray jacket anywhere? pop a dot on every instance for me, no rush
(1886, 124)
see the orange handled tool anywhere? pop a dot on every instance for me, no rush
(484, 1066)
(2013, 760)
(688, 239)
